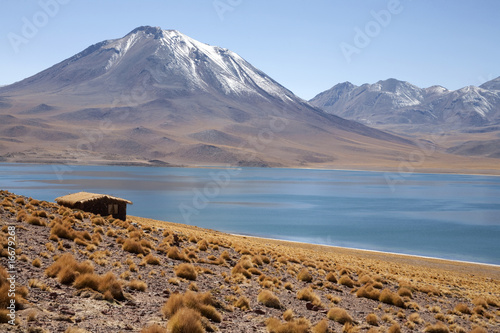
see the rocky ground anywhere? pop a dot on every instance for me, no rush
(77, 272)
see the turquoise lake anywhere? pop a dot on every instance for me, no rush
(436, 215)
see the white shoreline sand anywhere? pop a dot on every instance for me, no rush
(370, 251)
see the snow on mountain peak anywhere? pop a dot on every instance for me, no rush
(199, 65)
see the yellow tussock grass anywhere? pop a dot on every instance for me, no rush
(138, 285)
(462, 308)
(388, 297)
(243, 303)
(268, 299)
(304, 275)
(274, 325)
(346, 281)
(339, 315)
(133, 246)
(395, 328)
(199, 302)
(185, 320)
(367, 291)
(439, 327)
(372, 319)
(186, 271)
(155, 328)
(307, 294)
(66, 269)
(321, 327)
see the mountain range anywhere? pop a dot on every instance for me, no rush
(160, 97)
(469, 117)
(394, 102)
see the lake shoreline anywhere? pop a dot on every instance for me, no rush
(383, 253)
(429, 171)
(489, 270)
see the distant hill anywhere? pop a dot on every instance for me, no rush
(399, 102)
(469, 117)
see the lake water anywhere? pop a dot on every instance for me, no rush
(445, 216)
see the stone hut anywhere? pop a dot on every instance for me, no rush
(102, 204)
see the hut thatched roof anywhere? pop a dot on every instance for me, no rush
(82, 197)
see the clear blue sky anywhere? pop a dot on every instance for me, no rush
(298, 43)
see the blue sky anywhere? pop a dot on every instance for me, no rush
(307, 46)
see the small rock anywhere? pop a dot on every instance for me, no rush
(130, 303)
(259, 311)
(68, 312)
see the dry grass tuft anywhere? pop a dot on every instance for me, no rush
(430, 290)
(74, 329)
(405, 292)
(63, 231)
(304, 275)
(346, 281)
(201, 303)
(372, 319)
(300, 325)
(288, 315)
(138, 285)
(174, 253)
(350, 328)
(33, 220)
(186, 271)
(88, 280)
(155, 328)
(106, 284)
(307, 294)
(185, 321)
(268, 299)
(331, 277)
(37, 262)
(480, 301)
(239, 269)
(174, 303)
(321, 327)
(66, 269)
(415, 318)
(151, 260)
(478, 329)
(133, 246)
(395, 328)
(243, 303)
(388, 297)
(439, 327)
(462, 308)
(367, 291)
(339, 315)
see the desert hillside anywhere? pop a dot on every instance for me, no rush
(77, 272)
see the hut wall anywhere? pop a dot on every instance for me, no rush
(105, 207)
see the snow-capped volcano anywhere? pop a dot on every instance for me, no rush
(159, 60)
